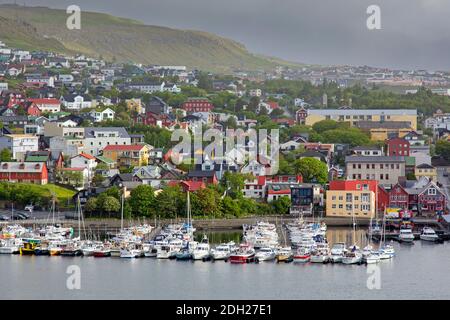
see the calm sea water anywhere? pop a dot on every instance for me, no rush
(418, 271)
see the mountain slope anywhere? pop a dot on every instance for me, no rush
(126, 40)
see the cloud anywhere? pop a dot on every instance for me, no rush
(415, 33)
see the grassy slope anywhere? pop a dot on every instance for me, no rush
(131, 41)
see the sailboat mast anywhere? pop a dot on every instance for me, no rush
(121, 212)
(79, 216)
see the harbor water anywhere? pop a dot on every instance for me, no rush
(418, 271)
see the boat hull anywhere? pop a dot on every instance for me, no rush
(239, 259)
(302, 258)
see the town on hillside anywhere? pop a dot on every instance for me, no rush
(81, 128)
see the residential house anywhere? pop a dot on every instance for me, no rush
(398, 147)
(208, 177)
(306, 198)
(47, 105)
(128, 155)
(426, 170)
(197, 105)
(84, 160)
(368, 151)
(102, 115)
(27, 172)
(76, 102)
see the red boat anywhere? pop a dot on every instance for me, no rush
(101, 253)
(245, 254)
(302, 255)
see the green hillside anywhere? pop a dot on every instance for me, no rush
(125, 40)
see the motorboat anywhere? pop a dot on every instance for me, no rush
(130, 253)
(223, 251)
(406, 235)
(10, 246)
(284, 254)
(386, 252)
(201, 251)
(184, 254)
(245, 254)
(428, 234)
(321, 254)
(337, 252)
(302, 255)
(265, 254)
(102, 252)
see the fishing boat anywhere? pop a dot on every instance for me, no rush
(102, 252)
(302, 255)
(245, 254)
(406, 235)
(338, 251)
(223, 251)
(29, 247)
(265, 254)
(201, 252)
(284, 254)
(428, 234)
(71, 250)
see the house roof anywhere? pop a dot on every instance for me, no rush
(85, 155)
(374, 159)
(131, 147)
(22, 167)
(201, 173)
(105, 159)
(424, 166)
(90, 131)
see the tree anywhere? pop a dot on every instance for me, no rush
(312, 170)
(91, 205)
(142, 200)
(230, 207)
(281, 205)
(351, 136)
(234, 182)
(206, 203)
(443, 149)
(326, 125)
(5, 155)
(110, 204)
(98, 179)
(171, 202)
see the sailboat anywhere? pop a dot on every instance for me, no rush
(353, 255)
(369, 255)
(386, 250)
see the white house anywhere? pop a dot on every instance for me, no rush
(99, 116)
(76, 102)
(97, 138)
(84, 160)
(50, 105)
(3, 86)
(19, 144)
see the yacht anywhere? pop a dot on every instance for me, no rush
(130, 253)
(10, 246)
(386, 252)
(321, 254)
(406, 235)
(265, 254)
(201, 251)
(428, 234)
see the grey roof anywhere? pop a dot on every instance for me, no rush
(383, 124)
(424, 166)
(369, 112)
(89, 131)
(367, 148)
(200, 173)
(375, 159)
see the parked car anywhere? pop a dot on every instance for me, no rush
(18, 216)
(25, 214)
(4, 218)
(29, 208)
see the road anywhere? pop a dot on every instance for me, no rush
(37, 215)
(445, 181)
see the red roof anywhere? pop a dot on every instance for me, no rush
(87, 156)
(133, 147)
(45, 101)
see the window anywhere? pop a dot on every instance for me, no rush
(432, 191)
(341, 206)
(348, 207)
(381, 176)
(333, 206)
(333, 198)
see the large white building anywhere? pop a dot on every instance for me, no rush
(97, 138)
(19, 144)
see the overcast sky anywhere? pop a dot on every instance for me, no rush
(415, 34)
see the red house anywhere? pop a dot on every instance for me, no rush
(197, 105)
(153, 119)
(300, 115)
(29, 172)
(398, 147)
(32, 109)
(398, 197)
(207, 177)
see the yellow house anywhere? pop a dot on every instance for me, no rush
(128, 155)
(134, 105)
(425, 170)
(354, 116)
(382, 134)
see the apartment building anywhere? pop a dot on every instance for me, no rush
(387, 170)
(19, 144)
(97, 138)
(352, 198)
